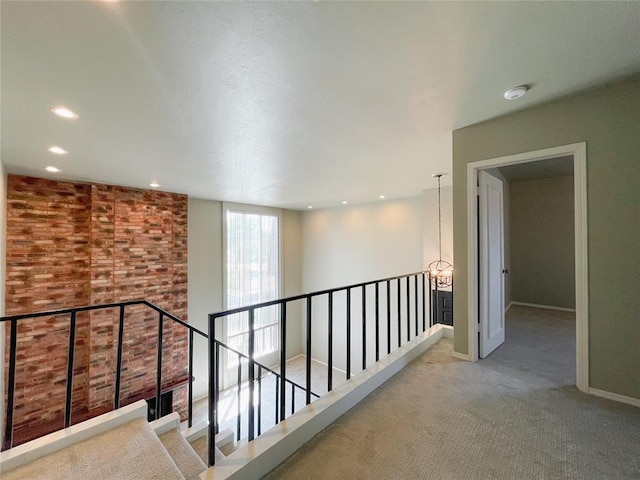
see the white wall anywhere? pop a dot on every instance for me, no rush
(348, 245)
(292, 252)
(204, 278)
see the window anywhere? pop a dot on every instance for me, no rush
(252, 275)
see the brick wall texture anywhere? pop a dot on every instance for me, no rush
(76, 244)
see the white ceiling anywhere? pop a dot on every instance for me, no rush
(286, 104)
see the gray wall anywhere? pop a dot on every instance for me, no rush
(206, 277)
(542, 242)
(607, 120)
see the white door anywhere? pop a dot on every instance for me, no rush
(491, 263)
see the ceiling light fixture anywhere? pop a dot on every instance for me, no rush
(344, 202)
(52, 169)
(515, 93)
(154, 185)
(310, 207)
(57, 150)
(64, 112)
(382, 197)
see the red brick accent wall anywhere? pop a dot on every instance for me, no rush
(73, 244)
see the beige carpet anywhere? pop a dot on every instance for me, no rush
(130, 452)
(183, 455)
(513, 415)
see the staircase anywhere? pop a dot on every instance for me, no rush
(117, 445)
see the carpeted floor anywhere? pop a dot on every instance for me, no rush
(513, 415)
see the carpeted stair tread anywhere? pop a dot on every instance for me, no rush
(131, 451)
(200, 447)
(185, 458)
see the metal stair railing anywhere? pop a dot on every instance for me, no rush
(412, 288)
(72, 313)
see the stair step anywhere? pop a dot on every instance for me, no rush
(132, 451)
(184, 456)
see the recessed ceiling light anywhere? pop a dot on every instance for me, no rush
(381, 197)
(154, 185)
(344, 202)
(64, 112)
(517, 92)
(310, 207)
(52, 169)
(57, 150)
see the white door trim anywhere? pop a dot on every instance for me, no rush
(579, 153)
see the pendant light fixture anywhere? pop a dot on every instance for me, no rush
(440, 271)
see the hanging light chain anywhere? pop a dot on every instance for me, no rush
(439, 222)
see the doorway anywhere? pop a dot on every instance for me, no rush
(477, 324)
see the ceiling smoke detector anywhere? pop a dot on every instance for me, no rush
(516, 92)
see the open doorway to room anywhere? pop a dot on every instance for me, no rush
(527, 256)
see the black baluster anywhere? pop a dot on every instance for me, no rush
(308, 359)
(259, 400)
(70, 354)
(399, 315)
(415, 301)
(408, 310)
(330, 352)
(190, 387)
(213, 403)
(424, 318)
(159, 367)
(388, 317)
(364, 327)
(252, 374)
(11, 386)
(116, 400)
(377, 322)
(348, 333)
(239, 380)
(283, 358)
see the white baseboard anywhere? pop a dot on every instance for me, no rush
(327, 365)
(461, 356)
(508, 307)
(447, 331)
(615, 397)
(545, 307)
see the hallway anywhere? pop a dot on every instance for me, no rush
(516, 414)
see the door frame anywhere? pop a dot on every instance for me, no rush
(579, 153)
